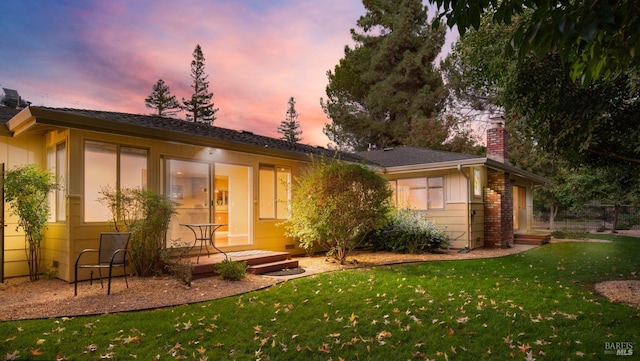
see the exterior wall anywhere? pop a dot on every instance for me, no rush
(267, 234)
(455, 216)
(16, 153)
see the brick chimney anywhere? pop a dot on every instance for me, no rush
(498, 206)
(497, 141)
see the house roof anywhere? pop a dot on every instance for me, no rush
(7, 113)
(41, 119)
(410, 159)
(407, 156)
(394, 160)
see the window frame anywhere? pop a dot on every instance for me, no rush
(118, 171)
(425, 187)
(57, 163)
(275, 213)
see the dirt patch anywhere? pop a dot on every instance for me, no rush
(46, 298)
(624, 291)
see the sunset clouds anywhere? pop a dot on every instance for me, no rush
(106, 55)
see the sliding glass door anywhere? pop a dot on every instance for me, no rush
(209, 193)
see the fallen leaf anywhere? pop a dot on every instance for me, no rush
(530, 357)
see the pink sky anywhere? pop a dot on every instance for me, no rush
(106, 55)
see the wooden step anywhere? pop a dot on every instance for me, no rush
(267, 258)
(263, 268)
(531, 239)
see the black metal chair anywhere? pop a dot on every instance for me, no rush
(112, 253)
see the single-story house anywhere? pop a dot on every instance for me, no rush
(483, 201)
(233, 177)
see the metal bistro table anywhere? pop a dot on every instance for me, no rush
(204, 233)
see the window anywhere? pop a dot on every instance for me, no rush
(435, 198)
(274, 192)
(420, 193)
(57, 163)
(110, 165)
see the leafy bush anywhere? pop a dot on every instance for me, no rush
(336, 205)
(178, 264)
(409, 231)
(232, 270)
(146, 215)
(26, 189)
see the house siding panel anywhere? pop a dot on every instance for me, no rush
(16, 153)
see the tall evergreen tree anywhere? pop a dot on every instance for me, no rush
(290, 126)
(160, 99)
(388, 80)
(199, 106)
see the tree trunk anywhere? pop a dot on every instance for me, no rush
(616, 212)
(33, 260)
(553, 211)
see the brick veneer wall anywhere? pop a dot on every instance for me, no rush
(498, 210)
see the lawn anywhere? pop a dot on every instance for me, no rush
(533, 305)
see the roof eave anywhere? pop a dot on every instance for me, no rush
(434, 166)
(468, 163)
(517, 171)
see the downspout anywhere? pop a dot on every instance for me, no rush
(468, 203)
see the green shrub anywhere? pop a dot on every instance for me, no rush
(178, 264)
(26, 190)
(146, 215)
(336, 205)
(232, 270)
(409, 231)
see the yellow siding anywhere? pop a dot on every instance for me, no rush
(16, 153)
(266, 233)
(455, 216)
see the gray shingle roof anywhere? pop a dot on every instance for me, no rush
(204, 130)
(7, 113)
(405, 156)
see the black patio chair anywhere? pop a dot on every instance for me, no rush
(112, 253)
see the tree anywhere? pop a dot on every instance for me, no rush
(556, 125)
(448, 132)
(597, 38)
(290, 126)
(582, 123)
(478, 69)
(336, 205)
(161, 99)
(611, 184)
(199, 105)
(387, 81)
(596, 124)
(26, 190)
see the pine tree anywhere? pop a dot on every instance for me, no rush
(388, 80)
(290, 126)
(199, 105)
(160, 99)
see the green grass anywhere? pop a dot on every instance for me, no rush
(538, 304)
